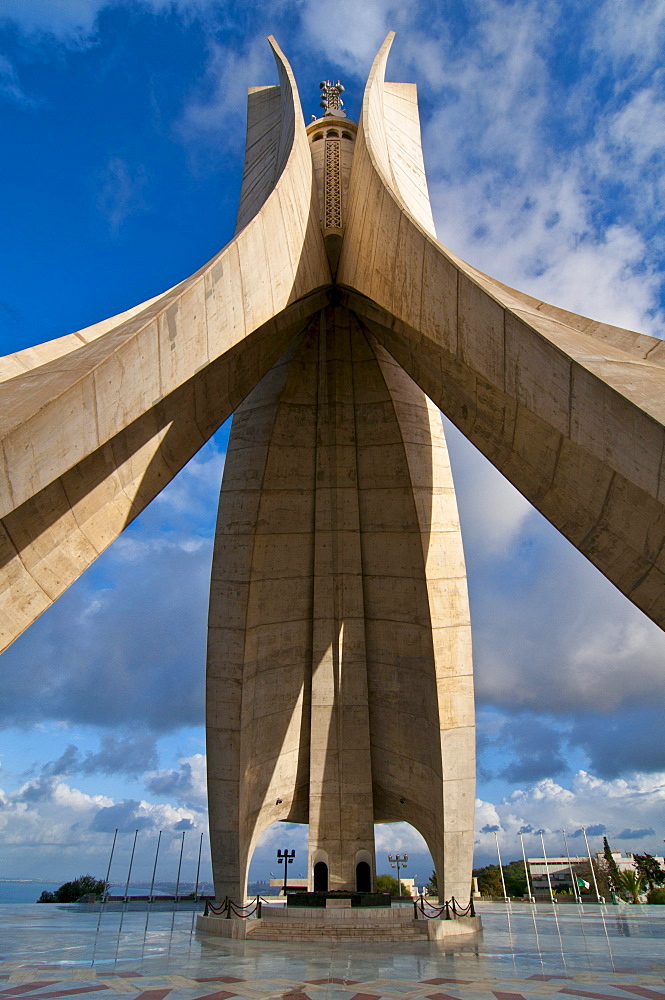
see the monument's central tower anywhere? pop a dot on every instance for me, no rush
(332, 139)
(348, 665)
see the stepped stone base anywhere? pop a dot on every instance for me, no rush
(338, 923)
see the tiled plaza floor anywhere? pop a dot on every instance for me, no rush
(603, 953)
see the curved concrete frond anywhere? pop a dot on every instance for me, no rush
(571, 411)
(95, 424)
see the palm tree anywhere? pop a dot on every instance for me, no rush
(630, 885)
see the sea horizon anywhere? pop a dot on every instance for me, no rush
(28, 890)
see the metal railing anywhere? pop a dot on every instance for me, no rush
(450, 910)
(230, 909)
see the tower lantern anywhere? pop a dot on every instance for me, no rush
(331, 98)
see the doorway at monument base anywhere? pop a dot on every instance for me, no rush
(338, 923)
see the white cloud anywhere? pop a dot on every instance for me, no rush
(121, 192)
(51, 829)
(72, 21)
(557, 637)
(75, 22)
(629, 36)
(193, 487)
(218, 109)
(588, 801)
(537, 182)
(492, 512)
(398, 837)
(10, 87)
(187, 784)
(350, 33)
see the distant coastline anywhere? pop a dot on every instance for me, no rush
(28, 890)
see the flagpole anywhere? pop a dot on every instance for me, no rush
(198, 870)
(547, 868)
(503, 881)
(593, 871)
(573, 878)
(108, 870)
(154, 870)
(177, 884)
(131, 862)
(530, 896)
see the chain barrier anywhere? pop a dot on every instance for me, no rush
(450, 910)
(230, 909)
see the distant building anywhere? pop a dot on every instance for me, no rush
(560, 871)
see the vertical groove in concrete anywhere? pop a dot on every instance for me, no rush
(388, 666)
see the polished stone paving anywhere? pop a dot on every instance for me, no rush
(601, 953)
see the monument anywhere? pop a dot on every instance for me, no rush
(335, 326)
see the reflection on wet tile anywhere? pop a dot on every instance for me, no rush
(599, 954)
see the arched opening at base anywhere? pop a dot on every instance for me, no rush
(320, 877)
(280, 836)
(402, 840)
(363, 877)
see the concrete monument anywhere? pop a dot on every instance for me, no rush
(334, 325)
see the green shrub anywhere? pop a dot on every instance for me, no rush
(386, 883)
(657, 896)
(70, 892)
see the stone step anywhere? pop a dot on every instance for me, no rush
(267, 931)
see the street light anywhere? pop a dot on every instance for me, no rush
(395, 862)
(285, 858)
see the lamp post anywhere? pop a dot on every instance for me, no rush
(285, 858)
(395, 862)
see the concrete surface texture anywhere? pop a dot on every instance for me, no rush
(340, 688)
(334, 323)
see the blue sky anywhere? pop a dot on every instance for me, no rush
(123, 129)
